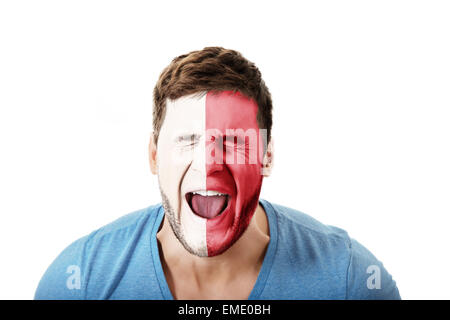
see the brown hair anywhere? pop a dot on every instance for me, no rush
(211, 69)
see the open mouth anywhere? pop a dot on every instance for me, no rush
(207, 204)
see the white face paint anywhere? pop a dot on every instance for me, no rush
(181, 168)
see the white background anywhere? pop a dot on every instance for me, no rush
(361, 93)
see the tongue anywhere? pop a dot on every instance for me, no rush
(208, 207)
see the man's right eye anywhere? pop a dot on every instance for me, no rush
(187, 141)
(190, 143)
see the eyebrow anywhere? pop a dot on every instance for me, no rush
(187, 137)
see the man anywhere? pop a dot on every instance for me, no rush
(212, 237)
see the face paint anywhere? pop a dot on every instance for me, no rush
(209, 168)
(239, 176)
(181, 169)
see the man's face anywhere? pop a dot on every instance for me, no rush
(209, 162)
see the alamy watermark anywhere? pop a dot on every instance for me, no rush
(374, 280)
(74, 280)
(234, 146)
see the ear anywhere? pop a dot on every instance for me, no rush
(152, 154)
(268, 160)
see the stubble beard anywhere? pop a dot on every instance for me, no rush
(177, 229)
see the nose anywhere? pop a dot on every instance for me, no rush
(214, 156)
(198, 157)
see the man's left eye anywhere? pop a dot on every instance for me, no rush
(236, 145)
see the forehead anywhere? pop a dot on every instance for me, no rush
(222, 110)
(228, 110)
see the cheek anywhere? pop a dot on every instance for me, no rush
(172, 164)
(244, 172)
(248, 180)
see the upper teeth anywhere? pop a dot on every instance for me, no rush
(207, 193)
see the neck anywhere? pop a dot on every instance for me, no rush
(248, 250)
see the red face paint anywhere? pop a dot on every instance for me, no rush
(238, 171)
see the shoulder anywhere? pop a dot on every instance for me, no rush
(295, 225)
(308, 244)
(118, 232)
(329, 250)
(129, 223)
(66, 277)
(367, 277)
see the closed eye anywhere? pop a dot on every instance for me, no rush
(236, 142)
(187, 139)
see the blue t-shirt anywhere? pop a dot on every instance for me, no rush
(305, 259)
